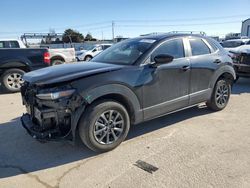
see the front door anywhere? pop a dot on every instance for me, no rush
(168, 86)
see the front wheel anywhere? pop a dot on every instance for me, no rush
(104, 125)
(220, 95)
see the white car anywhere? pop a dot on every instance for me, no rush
(232, 45)
(88, 53)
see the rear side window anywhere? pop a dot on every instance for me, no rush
(173, 47)
(198, 47)
(14, 44)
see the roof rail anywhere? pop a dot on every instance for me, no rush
(190, 32)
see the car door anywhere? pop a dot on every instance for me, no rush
(97, 50)
(168, 87)
(204, 60)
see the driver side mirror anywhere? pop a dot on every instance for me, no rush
(162, 59)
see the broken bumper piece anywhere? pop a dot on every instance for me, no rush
(32, 129)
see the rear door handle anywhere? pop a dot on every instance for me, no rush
(185, 68)
(217, 61)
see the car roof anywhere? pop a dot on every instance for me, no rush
(169, 35)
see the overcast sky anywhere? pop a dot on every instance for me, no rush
(131, 17)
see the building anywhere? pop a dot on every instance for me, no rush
(245, 28)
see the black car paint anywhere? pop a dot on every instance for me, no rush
(148, 91)
(27, 58)
(242, 64)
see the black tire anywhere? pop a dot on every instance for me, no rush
(11, 80)
(88, 58)
(220, 96)
(56, 62)
(90, 120)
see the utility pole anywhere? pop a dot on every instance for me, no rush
(113, 31)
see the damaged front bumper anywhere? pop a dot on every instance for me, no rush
(47, 120)
(31, 129)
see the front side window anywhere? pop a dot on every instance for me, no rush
(172, 47)
(198, 47)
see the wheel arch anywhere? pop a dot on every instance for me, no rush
(119, 93)
(88, 55)
(14, 64)
(116, 92)
(224, 72)
(57, 57)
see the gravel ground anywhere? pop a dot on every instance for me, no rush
(192, 148)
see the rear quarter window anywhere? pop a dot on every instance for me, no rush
(199, 47)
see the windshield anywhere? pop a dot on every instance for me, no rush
(125, 52)
(232, 44)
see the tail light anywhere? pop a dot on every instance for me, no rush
(46, 57)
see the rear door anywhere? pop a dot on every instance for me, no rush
(204, 61)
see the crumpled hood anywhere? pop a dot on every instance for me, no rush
(67, 72)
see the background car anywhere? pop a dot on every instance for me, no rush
(89, 52)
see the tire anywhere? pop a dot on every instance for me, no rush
(98, 134)
(11, 80)
(88, 58)
(220, 96)
(57, 62)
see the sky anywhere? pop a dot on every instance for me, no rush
(131, 18)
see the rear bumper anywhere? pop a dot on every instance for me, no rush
(242, 70)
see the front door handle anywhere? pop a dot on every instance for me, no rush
(217, 61)
(185, 68)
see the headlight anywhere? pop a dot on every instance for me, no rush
(55, 95)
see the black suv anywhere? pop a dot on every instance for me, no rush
(133, 81)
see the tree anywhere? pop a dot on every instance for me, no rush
(88, 37)
(71, 35)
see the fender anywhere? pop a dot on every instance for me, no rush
(93, 94)
(14, 62)
(224, 69)
(119, 89)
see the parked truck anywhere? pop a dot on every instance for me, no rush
(14, 62)
(57, 56)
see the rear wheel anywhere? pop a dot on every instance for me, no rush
(57, 62)
(11, 80)
(220, 95)
(104, 126)
(88, 58)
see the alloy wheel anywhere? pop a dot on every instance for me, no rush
(222, 95)
(14, 80)
(108, 127)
